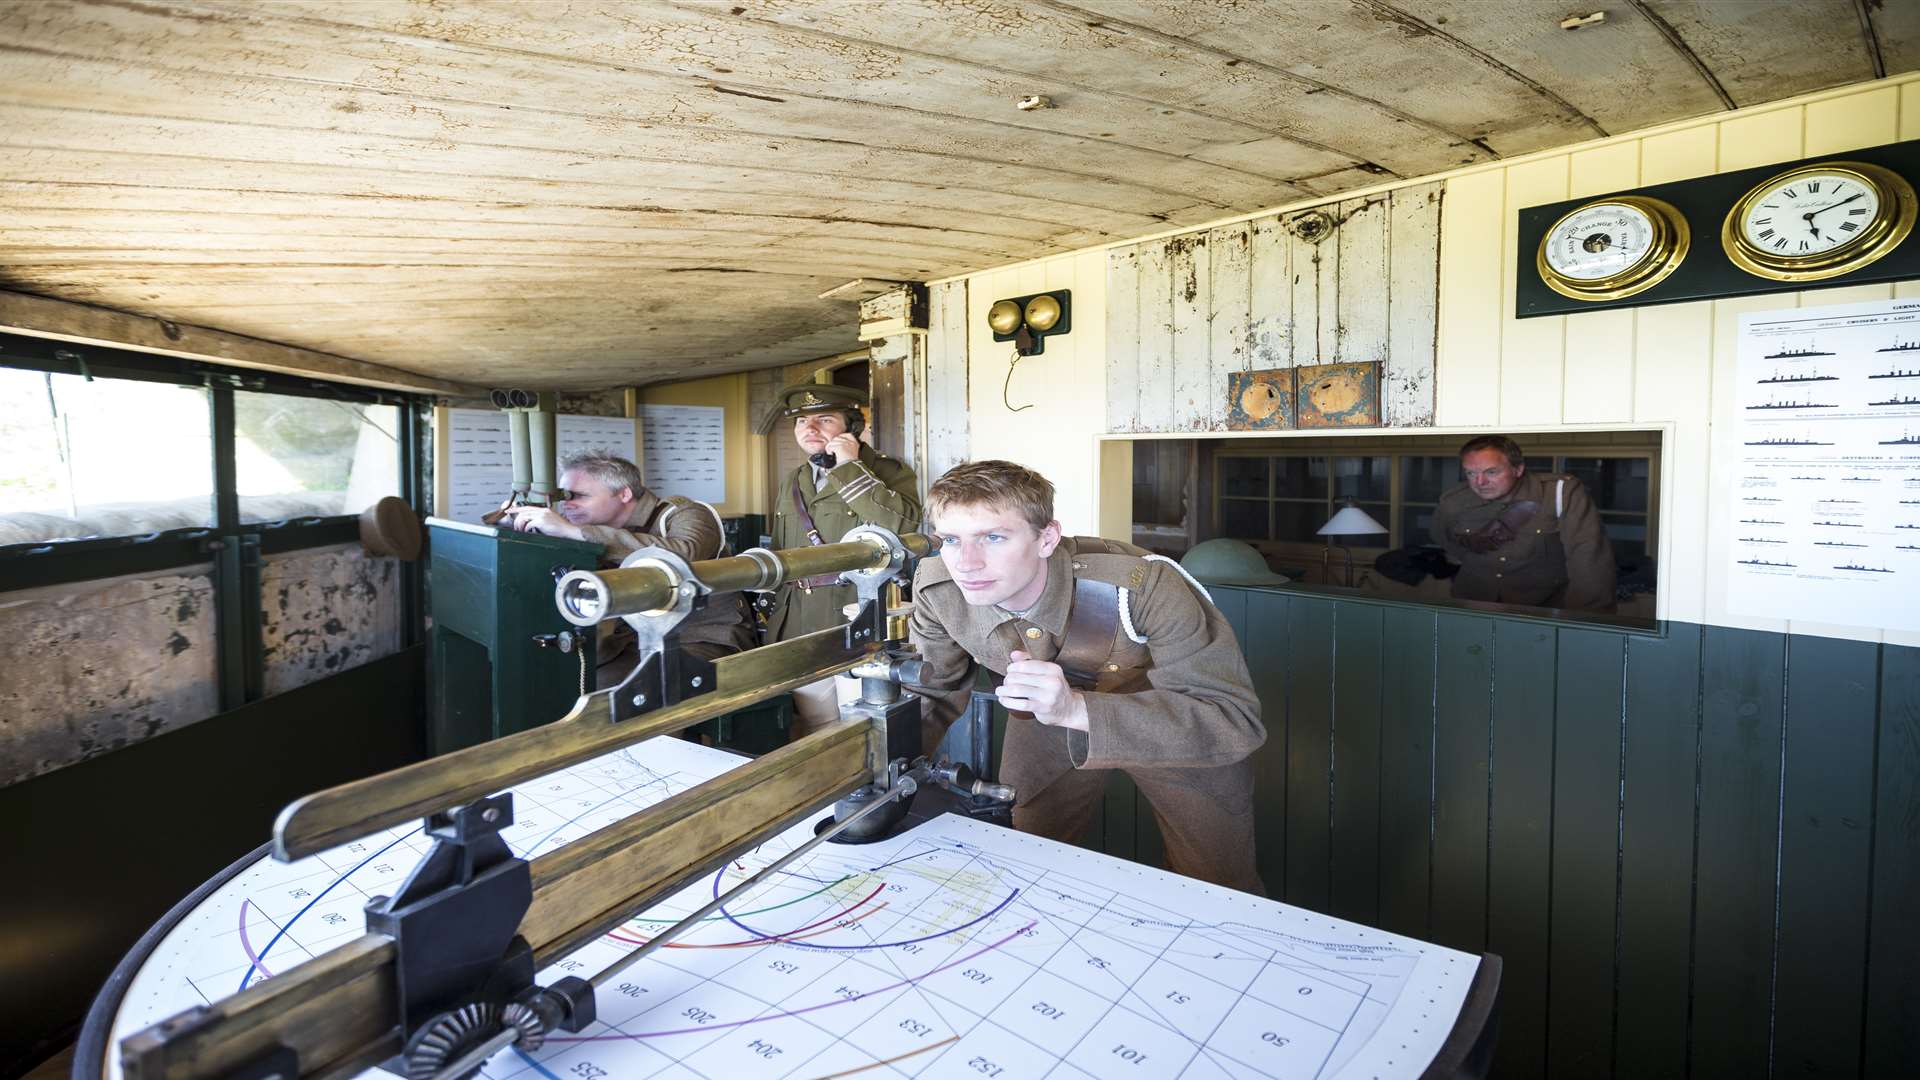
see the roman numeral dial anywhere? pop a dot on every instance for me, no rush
(1819, 221)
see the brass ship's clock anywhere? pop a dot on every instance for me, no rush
(1612, 248)
(1819, 221)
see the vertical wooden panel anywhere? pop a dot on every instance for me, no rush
(1520, 839)
(1191, 259)
(1761, 138)
(1463, 708)
(1532, 351)
(1309, 752)
(1586, 824)
(1679, 155)
(1742, 680)
(1326, 264)
(1123, 339)
(1910, 110)
(1656, 867)
(1270, 303)
(1825, 848)
(1673, 376)
(1598, 384)
(1892, 1039)
(1473, 231)
(1303, 261)
(1228, 348)
(1413, 298)
(1406, 772)
(1849, 123)
(1364, 293)
(1267, 637)
(1358, 652)
(946, 388)
(1156, 362)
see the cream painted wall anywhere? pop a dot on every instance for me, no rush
(746, 451)
(1668, 367)
(1066, 385)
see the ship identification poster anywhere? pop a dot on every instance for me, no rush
(1826, 507)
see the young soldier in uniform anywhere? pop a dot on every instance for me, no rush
(1520, 537)
(843, 483)
(1113, 659)
(608, 505)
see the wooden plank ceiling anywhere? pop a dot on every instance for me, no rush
(581, 195)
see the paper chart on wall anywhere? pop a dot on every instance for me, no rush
(480, 454)
(1826, 508)
(956, 949)
(686, 451)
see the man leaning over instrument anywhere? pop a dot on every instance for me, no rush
(1113, 659)
(607, 504)
(842, 484)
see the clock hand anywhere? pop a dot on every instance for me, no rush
(1830, 206)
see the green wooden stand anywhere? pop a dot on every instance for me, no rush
(491, 595)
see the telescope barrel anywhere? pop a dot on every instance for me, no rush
(587, 597)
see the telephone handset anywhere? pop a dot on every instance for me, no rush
(856, 423)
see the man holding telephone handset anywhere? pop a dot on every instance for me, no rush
(843, 483)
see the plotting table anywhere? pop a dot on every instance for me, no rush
(956, 949)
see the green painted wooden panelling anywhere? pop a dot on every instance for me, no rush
(1406, 771)
(1267, 639)
(1604, 810)
(1357, 691)
(1743, 676)
(1520, 838)
(1463, 710)
(1586, 830)
(1891, 1034)
(1825, 855)
(1656, 849)
(1309, 753)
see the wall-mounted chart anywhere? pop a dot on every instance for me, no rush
(956, 949)
(1826, 510)
(479, 454)
(686, 451)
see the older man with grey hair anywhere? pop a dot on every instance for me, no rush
(608, 504)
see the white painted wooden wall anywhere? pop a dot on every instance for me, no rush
(944, 387)
(1671, 365)
(1183, 311)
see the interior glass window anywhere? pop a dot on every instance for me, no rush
(312, 457)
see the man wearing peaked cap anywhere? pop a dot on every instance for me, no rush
(844, 483)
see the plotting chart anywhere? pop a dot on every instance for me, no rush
(954, 950)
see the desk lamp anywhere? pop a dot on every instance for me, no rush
(1350, 520)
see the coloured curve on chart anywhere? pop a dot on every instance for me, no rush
(956, 949)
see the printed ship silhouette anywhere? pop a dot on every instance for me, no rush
(1901, 346)
(1814, 377)
(1795, 354)
(1898, 373)
(1763, 562)
(1897, 400)
(1759, 540)
(1760, 521)
(1791, 404)
(1868, 569)
(1788, 442)
(1839, 524)
(1905, 439)
(1835, 543)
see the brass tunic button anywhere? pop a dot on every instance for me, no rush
(1503, 558)
(1113, 667)
(1033, 631)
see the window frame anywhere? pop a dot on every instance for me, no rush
(234, 549)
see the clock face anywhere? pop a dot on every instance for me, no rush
(1600, 241)
(1809, 213)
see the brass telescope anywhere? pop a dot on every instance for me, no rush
(588, 597)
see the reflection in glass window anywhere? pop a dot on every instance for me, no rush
(312, 457)
(1244, 519)
(101, 457)
(1243, 476)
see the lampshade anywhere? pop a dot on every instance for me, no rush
(1351, 521)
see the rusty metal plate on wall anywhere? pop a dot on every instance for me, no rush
(1260, 400)
(1339, 395)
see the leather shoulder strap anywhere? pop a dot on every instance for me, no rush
(1091, 624)
(800, 508)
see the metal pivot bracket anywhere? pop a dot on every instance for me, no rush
(869, 626)
(665, 674)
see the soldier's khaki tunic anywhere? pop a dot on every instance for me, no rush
(1175, 711)
(1561, 561)
(874, 490)
(689, 529)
